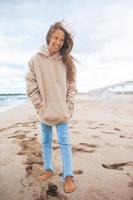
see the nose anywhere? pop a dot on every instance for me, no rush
(58, 42)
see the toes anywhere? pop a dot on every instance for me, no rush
(45, 176)
(69, 189)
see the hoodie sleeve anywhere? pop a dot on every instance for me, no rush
(71, 93)
(32, 88)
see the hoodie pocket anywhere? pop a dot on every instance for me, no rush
(70, 107)
(41, 107)
(54, 112)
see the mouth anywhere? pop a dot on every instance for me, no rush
(56, 47)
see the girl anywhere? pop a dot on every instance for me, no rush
(52, 89)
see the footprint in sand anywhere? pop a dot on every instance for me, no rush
(109, 144)
(94, 193)
(26, 132)
(76, 172)
(130, 184)
(6, 128)
(21, 136)
(74, 122)
(95, 136)
(96, 127)
(81, 149)
(71, 127)
(88, 145)
(76, 132)
(101, 124)
(107, 132)
(31, 161)
(84, 147)
(32, 149)
(123, 136)
(118, 166)
(117, 129)
(26, 124)
(22, 124)
(91, 122)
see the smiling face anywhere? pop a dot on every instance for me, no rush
(56, 41)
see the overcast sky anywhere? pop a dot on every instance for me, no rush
(103, 38)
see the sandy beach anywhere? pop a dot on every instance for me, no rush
(101, 135)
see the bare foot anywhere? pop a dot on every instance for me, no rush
(47, 174)
(69, 185)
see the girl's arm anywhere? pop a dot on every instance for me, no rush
(32, 88)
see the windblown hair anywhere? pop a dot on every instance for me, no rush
(65, 50)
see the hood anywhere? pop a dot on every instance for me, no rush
(44, 50)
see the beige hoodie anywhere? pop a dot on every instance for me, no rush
(48, 88)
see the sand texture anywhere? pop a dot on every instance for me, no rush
(101, 135)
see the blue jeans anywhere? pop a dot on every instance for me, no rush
(65, 147)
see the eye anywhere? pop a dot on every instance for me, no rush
(55, 38)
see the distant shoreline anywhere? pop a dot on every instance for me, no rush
(12, 94)
(8, 101)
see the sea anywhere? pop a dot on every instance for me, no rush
(8, 101)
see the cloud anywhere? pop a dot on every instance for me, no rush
(103, 35)
(12, 80)
(14, 58)
(94, 74)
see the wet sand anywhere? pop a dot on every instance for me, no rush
(101, 135)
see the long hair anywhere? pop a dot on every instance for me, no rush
(68, 60)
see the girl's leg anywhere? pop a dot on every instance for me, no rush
(63, 140)
(47, 146)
